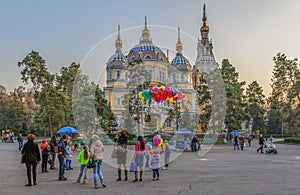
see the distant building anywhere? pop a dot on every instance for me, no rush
(177, 73)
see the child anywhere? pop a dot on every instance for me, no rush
(45, 153)
(69, 155)
(83, 158)
(155, 165)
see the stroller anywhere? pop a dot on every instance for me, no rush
(271, 148)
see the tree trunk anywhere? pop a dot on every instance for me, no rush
(50, 125)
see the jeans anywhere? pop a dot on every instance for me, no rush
(167, 157)
(155, 172)
(194, 147)
(97, 171)
(83, 169)
(61, 159)
(20, 145)
(68, 164)
(236, 145)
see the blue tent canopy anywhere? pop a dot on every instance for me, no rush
(182, 131)
(67, 129)
(235, 132)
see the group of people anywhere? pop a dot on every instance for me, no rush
(268, 144)
(239, 140)
(152, 156)
(8, 137)
(32, 154)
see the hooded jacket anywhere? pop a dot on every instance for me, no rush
(97, 149)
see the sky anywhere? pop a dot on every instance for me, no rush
(248, 33)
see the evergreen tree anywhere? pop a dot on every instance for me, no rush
(235, 112)
(285, 95)
(255, 106)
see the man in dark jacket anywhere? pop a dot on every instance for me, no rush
(261, 142)
(20, 141)
(61, 157)
(31, 156)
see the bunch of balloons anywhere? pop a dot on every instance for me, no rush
(161, 93)
(157, 141)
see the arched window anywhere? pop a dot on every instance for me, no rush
(182, 77)
(147, 57)
(109, 76)
(168, 122)
(118, 74)
(118, 100)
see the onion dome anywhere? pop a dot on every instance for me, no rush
(180, 61)
(204, 30)
(117, 60)
(146, 50)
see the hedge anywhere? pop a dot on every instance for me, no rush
(292, 140)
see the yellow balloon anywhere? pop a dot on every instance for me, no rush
(161, 142)
(141, 95)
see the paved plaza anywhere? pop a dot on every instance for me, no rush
(219, 171)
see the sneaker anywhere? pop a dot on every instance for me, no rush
(27, 185)
(165, 168)
(78, 181)
(157, 178)
(84, 183)
(103, 184)
(62, 179)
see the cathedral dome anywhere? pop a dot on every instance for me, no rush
(117, 60)
(181, 62)
(146, 50)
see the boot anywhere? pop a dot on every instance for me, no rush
(96, 185)
(141, 175)
(119, 175)
(135, 176)
(103, 183)
(126, 175)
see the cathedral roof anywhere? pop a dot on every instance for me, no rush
(145, 46)
(146, 50)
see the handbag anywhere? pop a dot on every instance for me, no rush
(50, 161)
(91, 163)
(114, 153)
(133, 167)
(23, 159)
(55, 149)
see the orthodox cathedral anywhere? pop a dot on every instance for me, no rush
(177, 73)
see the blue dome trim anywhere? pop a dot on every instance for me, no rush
(179, 59)
(145, 46)
(118, 56)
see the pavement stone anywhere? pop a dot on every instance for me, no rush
(216, 169)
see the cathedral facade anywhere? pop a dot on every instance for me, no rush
(146, 65)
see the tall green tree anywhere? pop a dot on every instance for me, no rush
(255, 100)
(51, 101)
(204, 99)
(104, 113)
(285, 95)
(235, 112)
